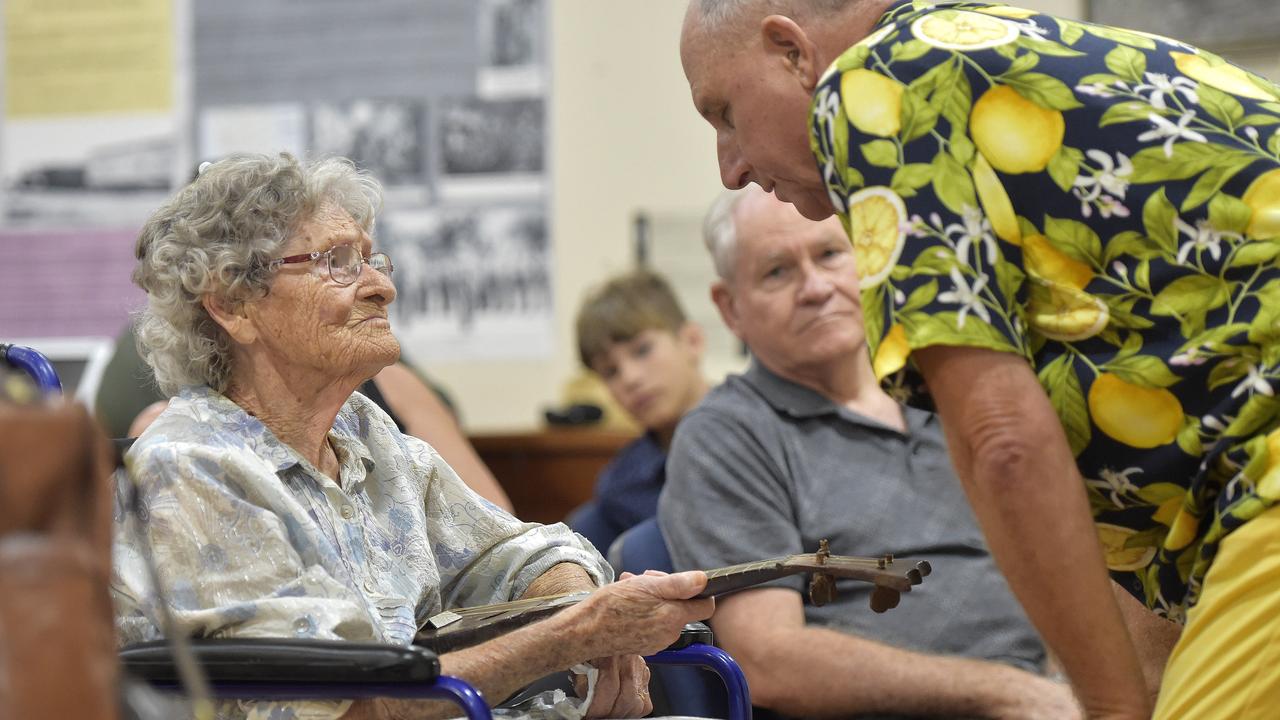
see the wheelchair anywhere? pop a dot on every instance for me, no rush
(301, 669)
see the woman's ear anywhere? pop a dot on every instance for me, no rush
(784, 40)
(231, 316)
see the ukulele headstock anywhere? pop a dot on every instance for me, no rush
(890, 577)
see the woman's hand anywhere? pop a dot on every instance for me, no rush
(642, 614)
(622, 688)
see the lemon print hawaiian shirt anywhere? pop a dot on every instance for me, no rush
(1102, 202)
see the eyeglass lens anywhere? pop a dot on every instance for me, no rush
(345, 262)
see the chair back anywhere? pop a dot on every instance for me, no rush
(685, 690)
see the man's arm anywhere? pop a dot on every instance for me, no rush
(1012, 456)
(810, 671)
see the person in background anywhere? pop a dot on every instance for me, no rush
(806, 446)
(633, 333)
(278, 502)
(1069, 233)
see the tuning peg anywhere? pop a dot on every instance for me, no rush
(883, 598)
(924, 567)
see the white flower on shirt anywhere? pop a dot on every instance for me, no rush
(973, 229)
(1116, 483)
(966, 296)
(1160, 86)
(1171, 132)
(1253, 382)
(1203, 237)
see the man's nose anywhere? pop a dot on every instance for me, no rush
(735, 173)
(815, 285)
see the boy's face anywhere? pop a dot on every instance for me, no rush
(655, 375)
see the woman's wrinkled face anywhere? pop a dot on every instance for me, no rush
(310, 323)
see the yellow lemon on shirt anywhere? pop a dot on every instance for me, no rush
(1225, 77)
(963, 30)
(995, 201)
(1263, 198)
(1269, 485)
(1009, 12)
(872, 102)
(892, 353)
(1183, 530)
(1044, 260)
(876, 219)
(1060, 311)
(1014, 134)
(1119, 557)
(1137, 416)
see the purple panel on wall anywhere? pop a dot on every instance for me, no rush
(63, 283)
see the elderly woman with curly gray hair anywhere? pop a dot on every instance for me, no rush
(278, 502)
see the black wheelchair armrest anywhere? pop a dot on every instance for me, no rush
(694, 632)
(273, 660)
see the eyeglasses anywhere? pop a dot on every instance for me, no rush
(344, 262)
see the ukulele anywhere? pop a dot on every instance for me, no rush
(456, 629)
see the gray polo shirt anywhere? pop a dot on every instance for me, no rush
(765, 467)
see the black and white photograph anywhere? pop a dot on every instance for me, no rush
(491, 137)
(470, 280)
(382, 136)
(72, 172)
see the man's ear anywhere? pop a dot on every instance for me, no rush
(786, 41)
(232, 317)
(723, 298)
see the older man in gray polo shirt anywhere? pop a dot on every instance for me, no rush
(804, 446)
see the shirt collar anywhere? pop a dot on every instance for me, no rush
(258, 438)
(801, 402)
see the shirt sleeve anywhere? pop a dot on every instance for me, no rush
(485, 555)
(938, 141)
(726, 500)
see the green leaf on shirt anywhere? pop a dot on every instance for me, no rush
(1158, 493)
(1229, 214)
(1189, 438)
(1060, 381)
(1044, 90)
(907, 51)
(854, 57)
(1213, 179)
(920, 297)
(1126, 62)
(1129, 243)
(1020, 65)
(881, 153)
(933, 261)
(911, 177)
(1121, 315)
(1259, 119)
(952, 184)
(1009, 279)
(1129, 111)
(1228, 371)
(1152, 165)
(873, 315)
(1100, 79)
(1264, 329)
(1224, 108)
(1064, 166)
(1121, 36)
(1075, 239)
(1256, 412)
(942, 328)
(1069, 30)
(1158, 215)
(1191, 294)
(1215, 339)
(917, 116)
(1047, 47)
(1256, 252)
(1142, 276)
(1143, 370)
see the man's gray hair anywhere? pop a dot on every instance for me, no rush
(715, 15)
(216, 237)
(720, 231)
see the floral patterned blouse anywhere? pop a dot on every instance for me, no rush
(250, 540)
(1104, 203)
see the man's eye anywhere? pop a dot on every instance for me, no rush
(642, 350)
(608, 373)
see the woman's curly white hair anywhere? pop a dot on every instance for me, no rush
(216, 237)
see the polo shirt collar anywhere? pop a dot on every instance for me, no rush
(801, 403)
